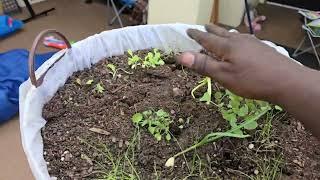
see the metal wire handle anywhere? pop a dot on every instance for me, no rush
(35, 44)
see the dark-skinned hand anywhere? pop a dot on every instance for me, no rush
(252, 69)
(242, 63)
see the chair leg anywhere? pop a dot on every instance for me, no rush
(295, 53)
(117, 14)
(314, 48)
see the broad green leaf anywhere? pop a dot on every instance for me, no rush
(218, 96)
(243, 111)
(161, 113)
(112, 67)
(262, 103)
(99, 88)
(147, 113)
(229, 116)
(136, 118)
(251, 126)
(136, 58)
(157, 56)
(161, 62)
(155, 50)
(78, 81)
(233, 123)
(206, 97)
(263, 108)
(130, 52)
(250, 104)
(89, 82)
(235, 104)
(145, 122)
(278, 108)
(168, 137)
(158, 136)
(238, 132)
(151, 129)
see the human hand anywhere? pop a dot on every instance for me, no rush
(241, 63)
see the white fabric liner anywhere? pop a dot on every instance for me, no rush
(167, 37)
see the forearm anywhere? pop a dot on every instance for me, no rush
(301, 98)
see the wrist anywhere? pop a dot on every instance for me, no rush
(290, 84)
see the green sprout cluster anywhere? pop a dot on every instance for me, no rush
(157, 123)
(151, 60)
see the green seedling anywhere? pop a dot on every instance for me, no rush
(78, 81)
(278, 108)
(134, 60)
(208, 94)
(236, 109)
(113, 70)
(157, 123)
(89, 82)
(242, 114)
(153, 59)
(218, 135)
(99, 88)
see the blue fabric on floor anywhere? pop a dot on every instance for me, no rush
(13, 72)
(9, 25)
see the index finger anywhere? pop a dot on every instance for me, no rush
(215, 44)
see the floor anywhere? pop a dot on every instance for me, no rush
(282, 27)
(82, 21)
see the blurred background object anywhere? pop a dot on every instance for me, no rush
(10, 6)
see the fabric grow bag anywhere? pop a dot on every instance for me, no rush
(82, 55)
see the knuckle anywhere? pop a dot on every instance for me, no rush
(202, 63)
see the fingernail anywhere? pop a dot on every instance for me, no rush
(187, 59)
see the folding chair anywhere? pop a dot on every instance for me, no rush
(311, 35)
(125, 4)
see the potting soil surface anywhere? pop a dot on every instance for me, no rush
(90, 135)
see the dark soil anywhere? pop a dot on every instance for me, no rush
(76, 108)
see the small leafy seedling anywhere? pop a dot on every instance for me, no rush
(134, 60)
(78, 81)
(218, 135)
(89, 82)
(208, 94)
(242, 114)
(153, 59)
(157, 123)
(113, 70)
(236, 109)
(99, 88)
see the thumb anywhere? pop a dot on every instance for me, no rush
(202, 64)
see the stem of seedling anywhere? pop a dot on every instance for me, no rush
(214, 136)
(208, 94)
(209, 89)
(127, 72)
